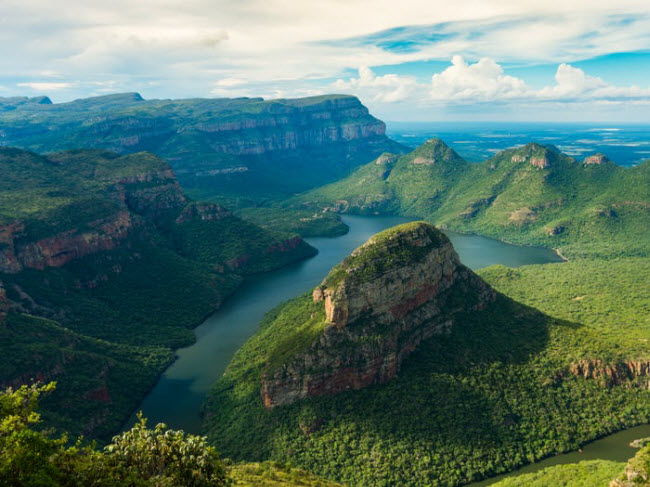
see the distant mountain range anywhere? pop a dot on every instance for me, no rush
(240, 148)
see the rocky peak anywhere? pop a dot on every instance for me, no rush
(434, 151)
(358, 284)
(596, 159)
(386, 158)
(535, 154)
(379, 304)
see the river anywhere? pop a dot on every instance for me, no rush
(176, 399)
(614, 447)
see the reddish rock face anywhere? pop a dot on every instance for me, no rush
(614, 373)
(60, 249)
(375, 320)
(145, 196)
(540, 162)
(596, 159)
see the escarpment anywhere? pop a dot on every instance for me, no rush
(398, 289)
(213, 142)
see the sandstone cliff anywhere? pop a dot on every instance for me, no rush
(635, 372)
(380, 303)
(213, 142)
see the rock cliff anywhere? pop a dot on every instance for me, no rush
(635, 372)
(212, 141)
(398, 289)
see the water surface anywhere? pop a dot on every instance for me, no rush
(614, 447)
(176, 400)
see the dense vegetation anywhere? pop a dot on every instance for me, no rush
(305, 223)
(533, 194)
(493, 395)
(244, 148)
(273, 474)
(114, 314)
(139, 457)
(595, 473)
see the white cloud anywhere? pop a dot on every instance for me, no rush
(482, 81)
(388, 88)
(45, 86)
(574, 83)
(228, 82)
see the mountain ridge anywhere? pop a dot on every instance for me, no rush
(216, 146)
(533, 194)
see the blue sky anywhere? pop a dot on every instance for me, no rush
(417, 60)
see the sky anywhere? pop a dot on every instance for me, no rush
(407, 60)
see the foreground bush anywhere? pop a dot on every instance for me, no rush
(139, 457)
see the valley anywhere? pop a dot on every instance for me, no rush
(421, 358)
(179, 395)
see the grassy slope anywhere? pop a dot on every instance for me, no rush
(597, 211)
(272, 474)
(595, 473)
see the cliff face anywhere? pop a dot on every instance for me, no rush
(635, 372)
(58, 250)
(380, 303)
(213, 142)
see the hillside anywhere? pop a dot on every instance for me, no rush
(118, 265)
(532, 194)
(405, 368)
(239, 148)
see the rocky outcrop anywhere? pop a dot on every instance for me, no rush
(637, 470)
(635, 372)
(379, 303)
(435, 151)
(596, 159)
(58, 250)
(386, 158)
(536, 155)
